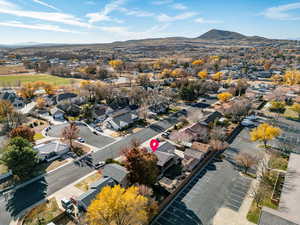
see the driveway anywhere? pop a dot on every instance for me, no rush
(90, 138)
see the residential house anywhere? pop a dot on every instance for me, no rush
(51, 150)
(165, 161)
(57, 114)
(85, 199)
(11, 97)
(117, 172)
(159, 108)
(122, 119)
(70, 109)
(101, 112)
(63, 97)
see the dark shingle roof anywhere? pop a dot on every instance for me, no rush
(115, 171)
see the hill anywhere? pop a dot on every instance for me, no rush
(215, 34)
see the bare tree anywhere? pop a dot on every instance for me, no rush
(218, 145)
(258, 193)
(70, 133)
(246, 160)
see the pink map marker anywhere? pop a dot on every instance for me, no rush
(154, 144)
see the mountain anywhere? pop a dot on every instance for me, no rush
(29, 44)
(215, 34)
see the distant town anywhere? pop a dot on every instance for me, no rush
(77, 122)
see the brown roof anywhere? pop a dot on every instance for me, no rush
(201, 147)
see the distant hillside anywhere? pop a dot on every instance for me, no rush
(215, 34)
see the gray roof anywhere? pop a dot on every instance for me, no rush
(87, 197)
(125, 117)
(269, 217)
(163, 157)
(167, 147)
(115, 171)
(193, 153)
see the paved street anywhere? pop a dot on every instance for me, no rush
(98, 141)
(218, 185)
(38, 190)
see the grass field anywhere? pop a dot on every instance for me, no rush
(16, 80)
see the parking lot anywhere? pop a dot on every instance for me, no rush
(89, 137)
(218, 185)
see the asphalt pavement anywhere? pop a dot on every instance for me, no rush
(26, 196)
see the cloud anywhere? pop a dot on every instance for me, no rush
(182, 16)
(136, 12)
(125, 33)
(202, 20)
(103, 15)
(46, 4)
(179, 6)
(162, 2)
(36, 26)
(11, 9)
(280, 12)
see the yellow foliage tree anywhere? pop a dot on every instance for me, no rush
(202, 74)
(264, 133)
(40, 102)
(277, 79)
(116, 64)
(214, 58)
(217, 76)
(277, 106)
(198, 62)
(224, 97)
(27, 90)
(118, 206)
(166, 73)
(5, 108)
(292, 77)
(296, 108)
(177, 72)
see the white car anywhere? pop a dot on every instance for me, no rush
(99, 165)
(248, 123)
(80, 139)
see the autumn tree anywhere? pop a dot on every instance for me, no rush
(119, 206)
(70, 133)
(277, 106)
(23, 132)
(217, 76)
(292, 77)
(202, 74)
(218, 145)
(296, 108)
(20, 157)
(246, 161)
(40, 102)
(141, 165)
(49, 89)
(224, 97)
(6, 108)
(264, 133)
(143, 80)
(116, 64)
(198, 62)
(27, 90)
(178, 73)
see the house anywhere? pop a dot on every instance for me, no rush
(101, 112)
(57, 114)
(85, 199)
(159, 108)
(11, 97)
(63, 97)
(51, 150)
(167, 147)
(288, 209)
(210, 117)
(70, 109)
(198, 132)
(165, 161)
(122, 119)
(118, 173)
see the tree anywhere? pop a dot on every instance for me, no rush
(116, 64)
(246, 160)
(296, 108)
(217, 76)
(20, 157)
(23, 132)
(49, 89)
(178, 73)
(198, 62)
(27, 90)
(141, 165)
(218, 145)
(292, 77)
(264, 133)
(144, 80)
(119, 206)
(277, 79)
(202, 74)
(40, 102)
(224, 97)
(277, 106)
(6, 108)
(70, 133)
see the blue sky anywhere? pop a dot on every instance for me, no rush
(100, 21)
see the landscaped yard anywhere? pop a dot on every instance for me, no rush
(43, 213)
(84, 184)
(14, 80)
(254, 212)
(278, 161)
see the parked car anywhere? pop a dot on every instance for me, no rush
(98, 129)
(166, 134)
(99, 165)
(248, 123)
(81, 139)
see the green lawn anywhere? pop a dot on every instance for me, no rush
(278, 162)
(14, 80)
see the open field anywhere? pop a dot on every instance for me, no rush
(16, 80)
(4, 70)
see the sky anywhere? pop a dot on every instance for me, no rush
(103, 21)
